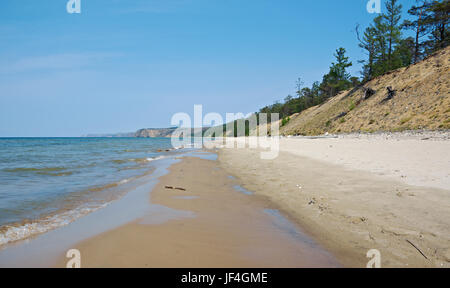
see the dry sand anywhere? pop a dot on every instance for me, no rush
(408, 159)
(357, 194)
(224, 228)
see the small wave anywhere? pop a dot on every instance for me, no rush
(26, 229)
(155, 158)
(137, 160)
(140, 160)
(47, 171)
(130, 168)
(67, 173)
(110, 185)
(37, 170)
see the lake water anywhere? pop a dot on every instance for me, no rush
(46, 183)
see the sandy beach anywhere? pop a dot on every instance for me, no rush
(220, 225)
(323, 202)
(357, 193)
(320, 203)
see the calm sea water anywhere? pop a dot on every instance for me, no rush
(46, 183)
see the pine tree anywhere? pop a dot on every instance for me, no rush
(437, 23)
(404, 53)
(392, 20)
(342, 63)
(381, 50)
(368, 43)
(420, 12)
(338, 77)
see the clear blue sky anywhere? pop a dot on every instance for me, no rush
(122, 65)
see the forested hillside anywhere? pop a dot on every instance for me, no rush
(387, 50)
(411, 98)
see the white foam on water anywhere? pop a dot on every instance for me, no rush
(17, 232)
(155, 158)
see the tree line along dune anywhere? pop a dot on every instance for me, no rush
(409, 98)
(403, 84)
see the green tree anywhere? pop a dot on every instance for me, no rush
(404, 52)
(338, 77)
(392, 21)
(342, 63)
(368, 43)
(381, 60)
(437, 23)
(421, 15)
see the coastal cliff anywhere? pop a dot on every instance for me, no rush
(149, 133)
(165, 132)
(154, 132)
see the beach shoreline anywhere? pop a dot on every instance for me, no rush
(315, 205)
(218, 226)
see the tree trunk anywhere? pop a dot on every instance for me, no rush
(442, 33)
(416, 52)
(390, 52)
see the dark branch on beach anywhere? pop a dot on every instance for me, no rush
(417, 248)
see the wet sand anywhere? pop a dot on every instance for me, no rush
(217, 226)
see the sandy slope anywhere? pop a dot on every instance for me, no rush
(422, 101)
(356, 194)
